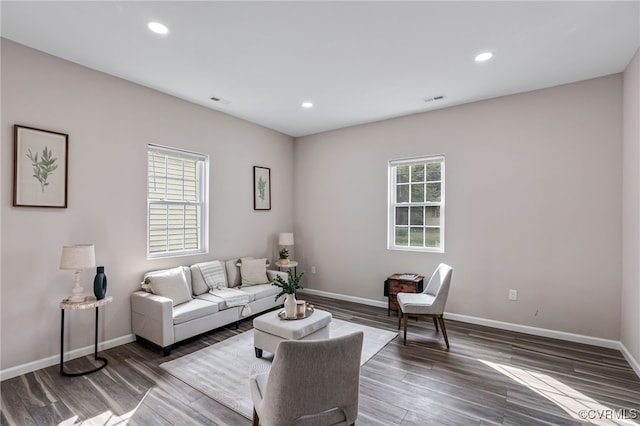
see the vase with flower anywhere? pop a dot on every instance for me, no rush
(288, 288)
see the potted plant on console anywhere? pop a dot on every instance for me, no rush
(288, 288)
(284, 256)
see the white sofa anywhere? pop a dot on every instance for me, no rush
(186, 301)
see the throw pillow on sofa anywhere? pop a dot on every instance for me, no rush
(253, 271)
(233, 272)
(207, 276)
(171, 283)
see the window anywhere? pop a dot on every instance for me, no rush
(416, 204)
(177, 208)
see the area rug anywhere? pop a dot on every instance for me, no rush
(222, 371)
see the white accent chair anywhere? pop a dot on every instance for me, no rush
(311, 383)
(429, 303)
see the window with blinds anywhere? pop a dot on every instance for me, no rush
(176, 202)
(416, 204)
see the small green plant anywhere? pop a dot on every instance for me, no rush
(44, 167)
(284, 253)
(287, 287)
(262, 186)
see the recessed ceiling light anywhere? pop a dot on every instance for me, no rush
(307, 105)
(484, 56)
(158, 28)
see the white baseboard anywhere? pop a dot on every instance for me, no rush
(53, 360)
(632, 362)
(354, 299)
(554, 334)
(543, 332)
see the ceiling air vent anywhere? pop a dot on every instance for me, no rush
(434, 98)
(220, 100)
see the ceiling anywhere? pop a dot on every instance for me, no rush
(357, 61)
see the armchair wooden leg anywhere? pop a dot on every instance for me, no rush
(444, 330)
(435, 322)
(406, 319)
(399, 318)
(256, 420)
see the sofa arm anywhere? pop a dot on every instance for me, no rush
(271, 275)
(152, 318)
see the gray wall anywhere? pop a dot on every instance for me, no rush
(534, 196)
(110, 122)
(630, 335)
(534, 201)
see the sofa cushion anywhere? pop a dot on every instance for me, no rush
(171, 283)
(197, 281)
(233, 272)
(260, 291)
(185, 269)
(218, 301)
(208, 276)
(253, 271)
(193, 309)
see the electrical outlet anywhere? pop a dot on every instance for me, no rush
(513, 294)
(313, 269)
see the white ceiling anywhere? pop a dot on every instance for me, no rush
(356, 61)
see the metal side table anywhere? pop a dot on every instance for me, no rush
(87, 304)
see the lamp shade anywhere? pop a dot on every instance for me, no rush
(285, 239)
(76, 257)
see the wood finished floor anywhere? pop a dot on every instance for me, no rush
(487, 378)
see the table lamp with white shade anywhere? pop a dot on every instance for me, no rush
(285, 239)
(77, 257)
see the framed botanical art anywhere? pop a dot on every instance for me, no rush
(40, 160)
(261, 188)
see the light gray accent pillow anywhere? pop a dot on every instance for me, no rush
(253, 271)
(185, 269)
(171, 283)
(197, 281)
(233, 272)
(208, 276)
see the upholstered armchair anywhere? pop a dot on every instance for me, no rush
(429, 303)
(311, 383)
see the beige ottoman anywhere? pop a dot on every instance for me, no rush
(269, 330)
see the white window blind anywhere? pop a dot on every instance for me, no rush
(176, 202)
(416, 204)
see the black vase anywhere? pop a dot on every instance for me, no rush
(100, 283)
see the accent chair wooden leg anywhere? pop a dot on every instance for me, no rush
(435, 322)
(444, 330)
(399, 318)
(256, 420)
(406, 319)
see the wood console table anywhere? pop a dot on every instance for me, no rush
(397, 284)
(87, 304)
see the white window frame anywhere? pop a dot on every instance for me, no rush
(202, 203)
(392, 203)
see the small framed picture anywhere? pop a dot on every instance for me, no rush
(40, 160)
(261, 188)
